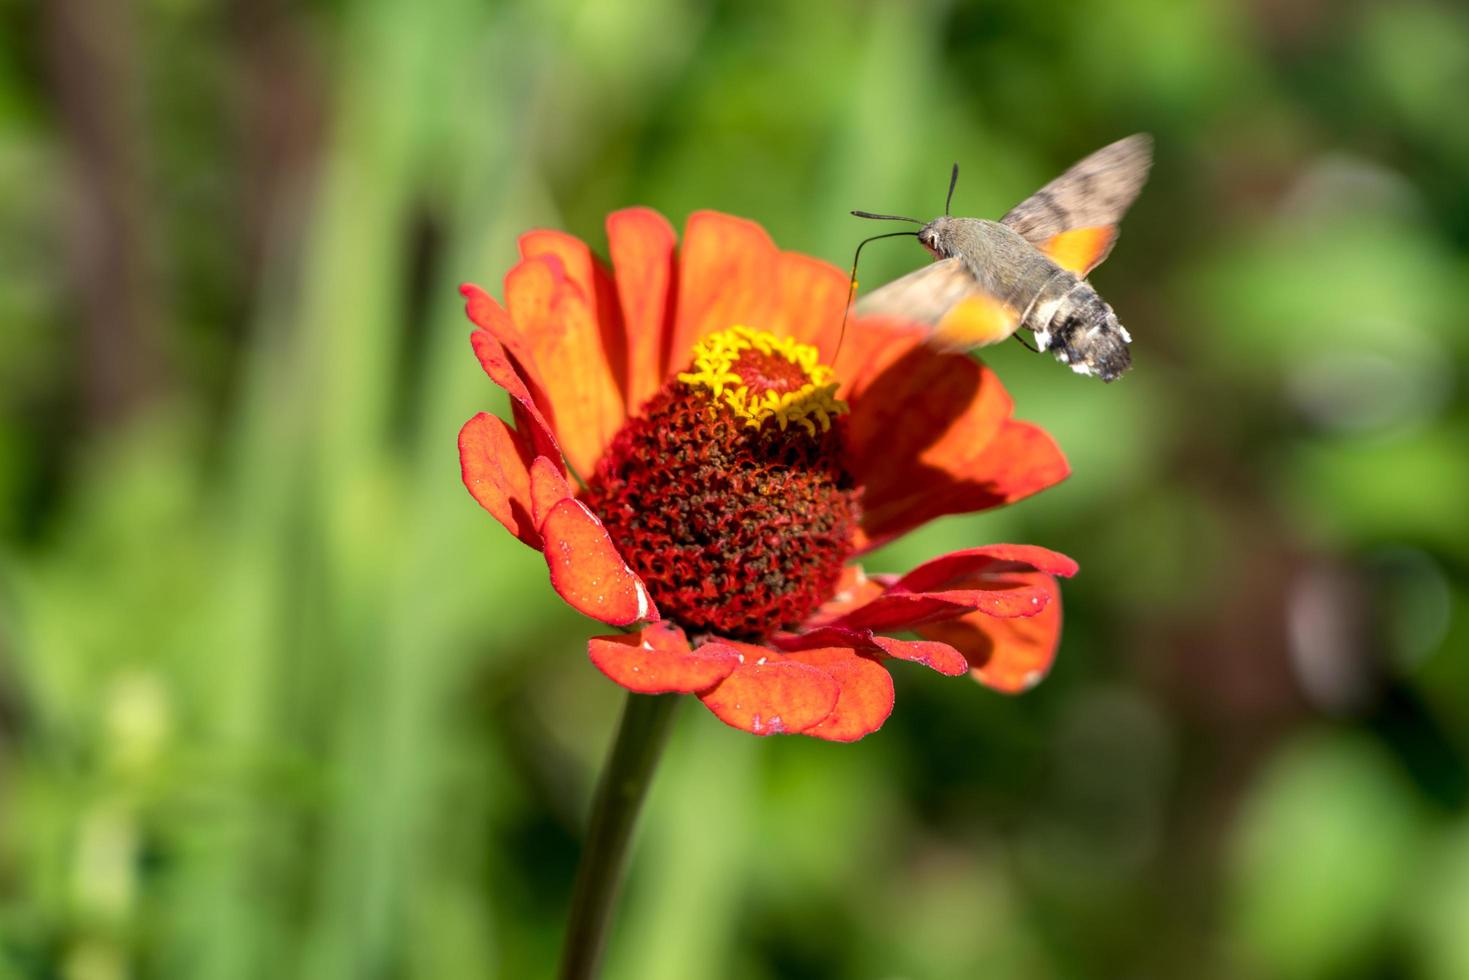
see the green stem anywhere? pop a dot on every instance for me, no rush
(646, 720)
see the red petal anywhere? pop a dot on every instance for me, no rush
(865, 697)
(492, 461)
(1021, 460)
(557, 319)
(1009, 655)
(937, 656)
(587, 569)
(994, 558)
(909, 399)
(931, 435)
(507, 370)
(991, 580)
(854, 589)
(548, 487)
(896, 611)
(657, 660)
(768, 696)
(920, 413)
(641, 243)
(727, 276)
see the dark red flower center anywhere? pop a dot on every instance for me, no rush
(727, 495)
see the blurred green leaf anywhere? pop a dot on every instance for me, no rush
(1325, 847)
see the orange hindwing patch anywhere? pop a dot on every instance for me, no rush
(1081, 250)
(975, 321)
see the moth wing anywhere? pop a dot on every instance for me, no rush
(924, 295)
(946, 296)
(1094, 194)
(976, 321)
(1080, 250)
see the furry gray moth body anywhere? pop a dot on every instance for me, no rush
(1028, 269)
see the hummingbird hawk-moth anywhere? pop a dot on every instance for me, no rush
(1027, 270)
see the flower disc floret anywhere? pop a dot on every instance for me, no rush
(736, 519)
(758, 376)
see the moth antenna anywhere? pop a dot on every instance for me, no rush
(953, 180)
(883, 217)
(852, 279)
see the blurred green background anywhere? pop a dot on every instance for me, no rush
(278, 700)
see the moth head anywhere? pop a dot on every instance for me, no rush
(934, 235)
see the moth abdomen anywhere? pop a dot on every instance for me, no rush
(1084, 333)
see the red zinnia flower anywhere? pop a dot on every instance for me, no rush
(730, 478)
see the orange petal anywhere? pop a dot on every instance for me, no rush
(587, 569)
(594, 282)
(865, 693)
(810, 297)
(870, 345)
(727, 276)
(584, 270)
(1009, 655)
(492, 461)
(657, 660)
(557, 320)
(768, 696)
(548, 487)
(641, 243)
